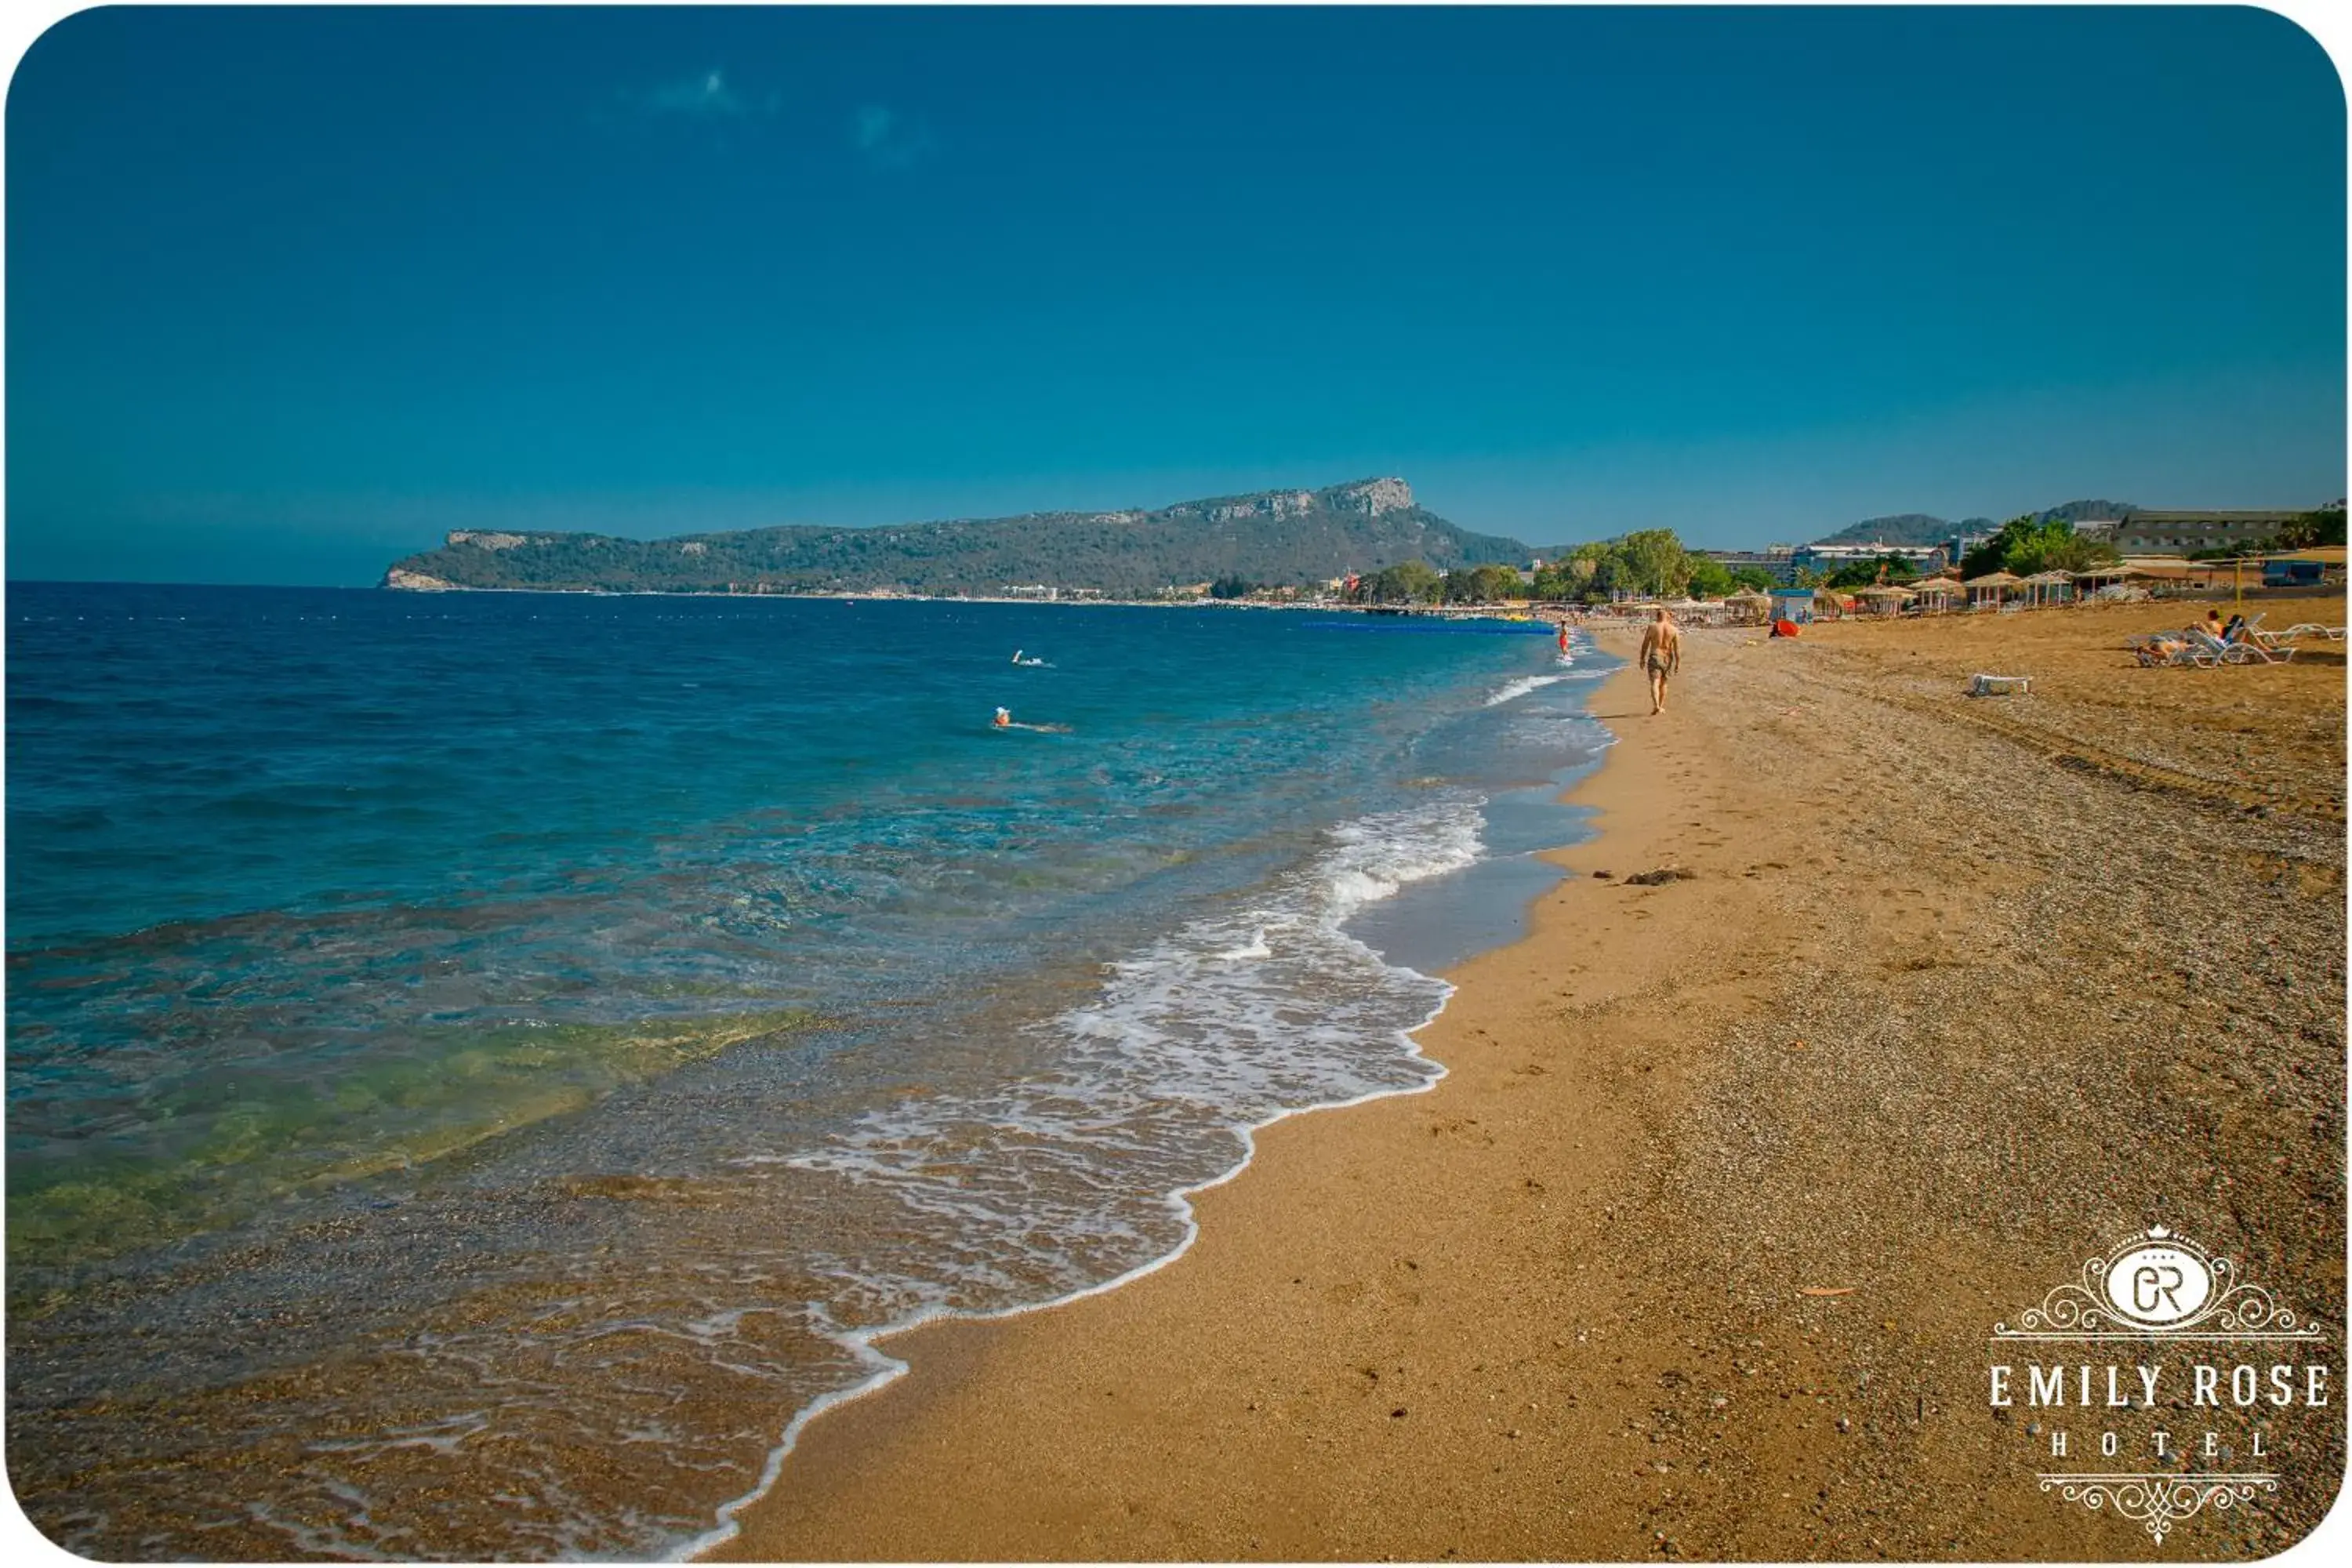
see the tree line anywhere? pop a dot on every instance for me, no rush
(1647, 563)
(2025, 545)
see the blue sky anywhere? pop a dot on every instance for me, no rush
(292, 293)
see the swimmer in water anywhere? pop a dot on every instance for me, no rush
(1005, 721)
(1016, 656)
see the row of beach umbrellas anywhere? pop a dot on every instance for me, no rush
(1996, 581)
(2041, 582)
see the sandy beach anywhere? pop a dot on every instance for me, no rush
(1952, 994)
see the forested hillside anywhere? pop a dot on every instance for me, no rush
(1274, 537)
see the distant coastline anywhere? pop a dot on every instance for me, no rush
(1368, 539)
(1292, 539)
(1442, 611)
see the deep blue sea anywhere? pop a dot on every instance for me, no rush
(480, 1066)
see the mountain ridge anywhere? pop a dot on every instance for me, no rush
(1282, 536)
(1279, 536)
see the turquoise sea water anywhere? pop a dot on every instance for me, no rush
(479, 1063)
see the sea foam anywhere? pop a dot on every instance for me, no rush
(1227, 1024)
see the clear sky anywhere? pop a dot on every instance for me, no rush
(292, 293)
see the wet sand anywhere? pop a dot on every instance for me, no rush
(1955, 995)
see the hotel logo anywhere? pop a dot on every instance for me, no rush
(2206, 1346)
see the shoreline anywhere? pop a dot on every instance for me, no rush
(731, 1528)
(1545, 1310)
(890, 1369)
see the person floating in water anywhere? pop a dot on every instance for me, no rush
(1662, 655)
(1005, 721)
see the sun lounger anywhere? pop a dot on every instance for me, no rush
(1982, 685)
(2215, 649)
(2237, 652)
(2192, 649)
(2263, 652)
(2281, 644)
(2156, 649)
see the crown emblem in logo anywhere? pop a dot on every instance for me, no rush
(2158, 1283)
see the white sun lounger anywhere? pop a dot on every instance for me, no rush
(2157, 649)
(2237, 652)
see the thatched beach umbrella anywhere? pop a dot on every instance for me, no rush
(2099, 579)
(1934, 593)
(2049, 583)
(1993, 585)
(2115, 572)
(1885, 598)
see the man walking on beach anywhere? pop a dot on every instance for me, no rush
(1662, 655)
